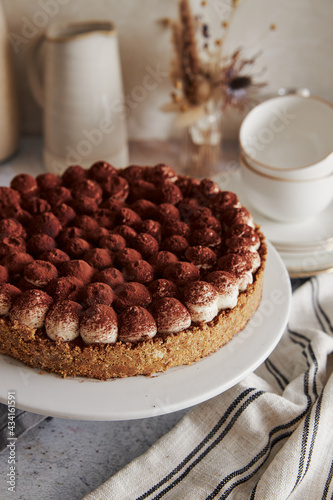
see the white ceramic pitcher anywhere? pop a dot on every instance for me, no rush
(81, 94)
(9, 130)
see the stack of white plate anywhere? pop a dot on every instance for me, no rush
(286, 157)
(305, 247)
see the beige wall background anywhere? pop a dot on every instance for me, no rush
(297, 53)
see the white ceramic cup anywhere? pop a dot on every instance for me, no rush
(285, 200)
(81, 94)
(289, 137)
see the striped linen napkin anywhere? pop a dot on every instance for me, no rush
(268, 438)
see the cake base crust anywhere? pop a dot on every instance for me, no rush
(104, 361)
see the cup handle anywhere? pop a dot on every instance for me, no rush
(34, 79)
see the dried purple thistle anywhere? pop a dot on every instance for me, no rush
(237, 89)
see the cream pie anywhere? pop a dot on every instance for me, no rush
(113, 273)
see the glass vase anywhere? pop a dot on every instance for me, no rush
(201, 143)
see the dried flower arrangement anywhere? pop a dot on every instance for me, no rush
(199, 71)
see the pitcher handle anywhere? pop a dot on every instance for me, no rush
(34, 79)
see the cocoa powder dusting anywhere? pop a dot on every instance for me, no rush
(103, 236)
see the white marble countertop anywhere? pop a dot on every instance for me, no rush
(63, 459)
(66, 459)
